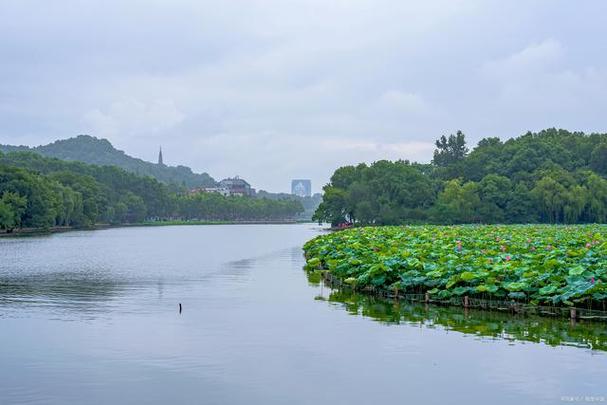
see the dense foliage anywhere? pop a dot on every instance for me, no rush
(553, 176)
(540, 264)
(39, 192)
(213, 206)
(95, 151)
(310, 204)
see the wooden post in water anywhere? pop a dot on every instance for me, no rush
(466, 301)
(427, 298)
(180, 307)
(573, 313)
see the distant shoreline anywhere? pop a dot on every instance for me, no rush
(60, 229)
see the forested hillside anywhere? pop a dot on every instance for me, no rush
(88, 149)
(553, 176)
(40, 192)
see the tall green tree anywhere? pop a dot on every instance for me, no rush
(12, 208)
(458, 203)
(450, 150)
(596, 205)
(521, 206)
(598, 159)
(495, 193)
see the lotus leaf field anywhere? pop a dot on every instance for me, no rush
(535, 264)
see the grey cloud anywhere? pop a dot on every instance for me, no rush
(270, 89)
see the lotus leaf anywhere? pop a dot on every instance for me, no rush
(537, 263)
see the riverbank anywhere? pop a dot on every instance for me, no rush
(179, 222)
(521, 265)
(60, 229)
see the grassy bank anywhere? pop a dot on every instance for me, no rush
(195, 222)
(57, 229)
(535, 264)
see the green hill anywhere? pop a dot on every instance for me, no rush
(88, 149)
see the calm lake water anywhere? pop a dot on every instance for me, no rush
(92, 317)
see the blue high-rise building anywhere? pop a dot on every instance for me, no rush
(301, 187)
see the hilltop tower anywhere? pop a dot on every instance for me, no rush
(160, 157)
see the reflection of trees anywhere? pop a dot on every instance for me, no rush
(551, 331)
(66, 290)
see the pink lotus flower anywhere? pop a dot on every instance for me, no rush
(588, 245)
(592, 280)
(508, 258)
(528, 240)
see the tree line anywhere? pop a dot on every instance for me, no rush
(552, 176)
(40, 192)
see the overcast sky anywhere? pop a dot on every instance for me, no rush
(277, 89)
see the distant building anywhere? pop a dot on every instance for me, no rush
(219, 190)
(160, 157)
(237, 186)
(301, 188)
(232, 186)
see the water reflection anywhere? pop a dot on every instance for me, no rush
(59, 292)
(485, 324)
